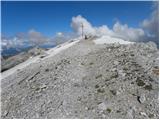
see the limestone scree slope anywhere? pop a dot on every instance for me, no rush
(86, 80)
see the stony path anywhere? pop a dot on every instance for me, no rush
(86, 81)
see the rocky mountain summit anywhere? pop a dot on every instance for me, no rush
(86, 80)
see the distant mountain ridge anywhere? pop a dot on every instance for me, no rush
(9, 62)
(8, 52)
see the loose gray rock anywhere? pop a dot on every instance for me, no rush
(86, 81)
(142, 98)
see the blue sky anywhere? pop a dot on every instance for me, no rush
(51, 17)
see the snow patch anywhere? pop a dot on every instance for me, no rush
(110, 40)
(61, 47)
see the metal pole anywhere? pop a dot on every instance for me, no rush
(82, 29)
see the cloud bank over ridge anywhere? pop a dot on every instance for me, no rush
(147, 31)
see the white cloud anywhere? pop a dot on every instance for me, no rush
(151, 24)
(126, 33)
(104, 30)
(62, 37)
(12, 42)
(36, 38)
(59, 34)
(119, 30)
(23, 39)
(88, 28)
(77, 25)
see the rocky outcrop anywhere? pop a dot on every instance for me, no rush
(86, 81)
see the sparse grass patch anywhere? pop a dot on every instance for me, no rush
(134, 94)
(108, 110)
(140, 82)
(96, 86)
(107, 79)
(151, 115)
(114, 75)
(100, 90)
(156, 67)
(37, 89)
(113, 92)
(125, 68)
(91, 63)
(148, 87)
(98, 76)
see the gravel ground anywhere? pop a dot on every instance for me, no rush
(86, 81)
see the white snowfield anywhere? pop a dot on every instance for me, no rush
(110, 40)
(35, 59)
